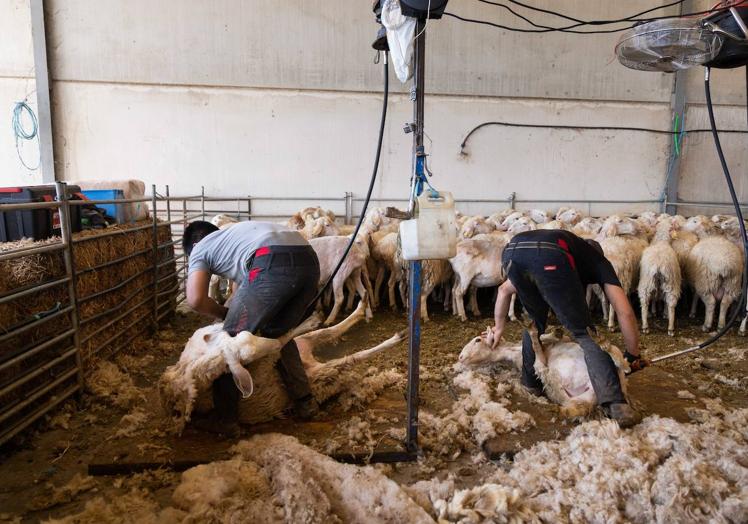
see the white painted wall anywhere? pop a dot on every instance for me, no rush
(16, 83)
(281, 98)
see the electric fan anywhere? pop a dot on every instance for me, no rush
(672, 44)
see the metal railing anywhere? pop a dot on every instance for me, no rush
(47, 372)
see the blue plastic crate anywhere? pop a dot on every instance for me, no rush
(116, 211)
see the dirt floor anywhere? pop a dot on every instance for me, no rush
(117, 425)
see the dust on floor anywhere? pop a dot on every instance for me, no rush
(46, 476)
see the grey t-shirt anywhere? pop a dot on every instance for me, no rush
(226, 252)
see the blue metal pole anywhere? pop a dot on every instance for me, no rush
(414, 309)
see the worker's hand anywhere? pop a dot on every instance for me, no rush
(636, 362)
(493, 337)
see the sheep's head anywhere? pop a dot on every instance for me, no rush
(588, 225)
(474, 226)
(701, 226)
(521, 225)
(511, 219)
(223, 221)
(539, 216)
(569, 215)
(478, 352)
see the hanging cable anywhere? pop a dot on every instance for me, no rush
(20, 132)
(579, 23)
(739, 214)
(373, 179)
(681, 133)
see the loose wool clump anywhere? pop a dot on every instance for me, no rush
(111, 384)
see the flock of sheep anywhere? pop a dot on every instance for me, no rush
(657, 255)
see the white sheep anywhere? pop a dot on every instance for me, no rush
(660, 276)
(329, 250)
(475, 225)
(319, 227)
(299, 220)
(559, 363)
(477, 263)
(623, 249)
(384, 252)
(588, 227)
(186, 386)
(714, 270)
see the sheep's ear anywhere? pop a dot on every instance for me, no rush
(206, 337)
(317, 229)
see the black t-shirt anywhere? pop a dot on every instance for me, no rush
(591, 266)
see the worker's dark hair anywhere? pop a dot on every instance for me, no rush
(596, 246)
(194, 233)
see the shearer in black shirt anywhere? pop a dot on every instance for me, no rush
(550, 269)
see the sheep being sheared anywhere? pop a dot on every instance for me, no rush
(559, 363)
(186, 386)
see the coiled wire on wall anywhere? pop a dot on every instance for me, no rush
(361, 218)
(21, 133)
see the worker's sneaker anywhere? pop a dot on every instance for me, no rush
(536, 391)
(305, 408)
(625, 415)
(217, 426)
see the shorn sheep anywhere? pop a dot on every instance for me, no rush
(559, 363)
(210, 352)
(659, 276)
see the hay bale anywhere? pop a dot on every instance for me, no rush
(93, 313)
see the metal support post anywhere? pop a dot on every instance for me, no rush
(168, 205)
(67, 254)
(512, 200)
(43, 105)
(348, 207)
(414, 310)
(155, 259)
(249, 207)
(678, 111)
(184, 213)
(202, 202)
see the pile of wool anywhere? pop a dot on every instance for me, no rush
(131, 423)
(478, 415)
(368, 386)
(272, 478)
(108, 382)
(659, 471)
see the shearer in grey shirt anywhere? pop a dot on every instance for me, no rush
(275, 274)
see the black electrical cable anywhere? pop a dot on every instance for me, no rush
(361, 218)
(597, 128)
(738, 213)
(567, 29)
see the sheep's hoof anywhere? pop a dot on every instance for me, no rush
(612, 329)
(645, 331)
(705, 329)
(671, 333)
(741, 333)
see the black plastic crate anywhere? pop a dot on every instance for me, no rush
(36, 224)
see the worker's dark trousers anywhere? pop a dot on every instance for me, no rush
(544, 278)
(282, 281)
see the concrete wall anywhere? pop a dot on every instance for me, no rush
(16, 83)
(281, 98)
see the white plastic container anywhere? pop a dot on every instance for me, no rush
(432, 234)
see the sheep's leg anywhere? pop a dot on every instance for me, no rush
(671, 303)
(741, 331)
(512, 314)
(361, 289)
(338, 293)
(426, 290)
(710, 303)
(459, 294)
(724, 305)
(611, 317)
(580, 406)
(694, 304)
(391, 290)
(330, 335)
(351, 288)
(377, 287)
(644, 299)
(447, 296)
(473, 301)
(367, 286)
